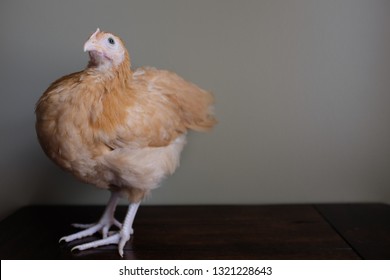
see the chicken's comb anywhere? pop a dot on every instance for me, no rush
(96, 32)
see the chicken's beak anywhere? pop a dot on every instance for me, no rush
(91, 44)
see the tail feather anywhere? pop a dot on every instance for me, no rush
(196, 105)
(198, 108)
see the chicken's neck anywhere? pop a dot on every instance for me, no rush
(118, 74)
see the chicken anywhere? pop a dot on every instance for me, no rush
(119, 129)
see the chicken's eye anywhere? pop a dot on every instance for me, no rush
(111, 41)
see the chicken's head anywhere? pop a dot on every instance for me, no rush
(105, 49)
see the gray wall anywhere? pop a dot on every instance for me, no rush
(302, 89)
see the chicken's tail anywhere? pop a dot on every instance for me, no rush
(196, 105)
(198, 110)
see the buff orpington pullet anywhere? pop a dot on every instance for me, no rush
(119, 129)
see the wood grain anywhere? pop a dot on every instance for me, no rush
(366, 227)
(183, 232)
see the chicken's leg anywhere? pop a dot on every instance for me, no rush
(119, 238)
(103, 225)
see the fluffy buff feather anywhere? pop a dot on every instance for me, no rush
(117, 128)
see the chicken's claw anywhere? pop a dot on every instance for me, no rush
(119, 238)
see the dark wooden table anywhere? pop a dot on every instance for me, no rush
(320, 231)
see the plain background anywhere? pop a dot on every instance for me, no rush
(302, 90)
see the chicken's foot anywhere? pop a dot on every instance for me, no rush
(119, 238)
(103, 225)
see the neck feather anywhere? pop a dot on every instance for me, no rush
(108, 71)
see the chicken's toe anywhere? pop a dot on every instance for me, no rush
(113, 239)
(84, 233)
(82, 226)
